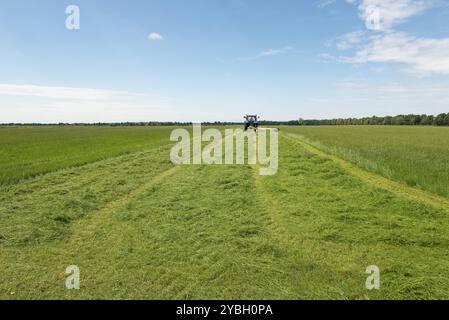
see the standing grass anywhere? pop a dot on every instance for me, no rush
(30, 151)
(417, 156)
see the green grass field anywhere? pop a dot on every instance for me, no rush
(139, 227)
(30, 151)
(417, 156)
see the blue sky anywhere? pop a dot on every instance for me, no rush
(190, 60)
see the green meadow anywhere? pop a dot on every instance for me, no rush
(31, 151)
(109, 201)
(415, 155)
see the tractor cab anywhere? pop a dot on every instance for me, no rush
(251, 122)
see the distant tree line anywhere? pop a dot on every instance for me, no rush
(400, 120)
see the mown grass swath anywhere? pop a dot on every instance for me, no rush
(138, 227)
(416, 156)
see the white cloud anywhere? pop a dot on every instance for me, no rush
(324, 3)
(54, 92)
(327, 58)
(421, 56)
(348, 40)
(51, 104)
(274, 52)
(359, 97)
(430, 93)
(261, 55)
(391, 12)
(155, 36)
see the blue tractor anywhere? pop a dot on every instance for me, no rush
(251, 122)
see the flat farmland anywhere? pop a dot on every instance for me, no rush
(417, 156)
(30, 151)
(138, 226)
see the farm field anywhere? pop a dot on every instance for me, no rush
(417, 156)
(30, 151)
(139, 227)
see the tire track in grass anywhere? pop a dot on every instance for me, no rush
(319, 266)
(268, 202)
(301, 269)
(374, 179)
(273, 208)
(93, 223)
(47, 260)
(89, 225)
(50, 205)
